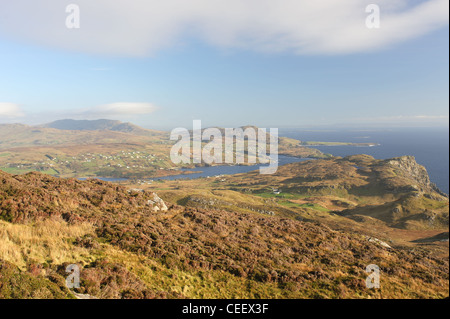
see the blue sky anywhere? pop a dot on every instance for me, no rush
(245, 78)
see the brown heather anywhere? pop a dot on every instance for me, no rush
(128, 251)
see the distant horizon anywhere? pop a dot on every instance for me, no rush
(318, 127)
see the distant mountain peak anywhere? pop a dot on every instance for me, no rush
(84, 125)
(99, 125)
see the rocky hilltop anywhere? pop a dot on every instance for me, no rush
(417, 174)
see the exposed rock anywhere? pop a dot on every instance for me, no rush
(135, 190)
(266, 212)
(377, 241)
(84, 296)
(159, 203)
(417, 173)
(207, 201)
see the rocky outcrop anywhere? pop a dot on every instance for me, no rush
(205, 202)
(407, 167)
(84, 296)
(377, 241)
(157, 204)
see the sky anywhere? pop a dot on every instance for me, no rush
(284, 63)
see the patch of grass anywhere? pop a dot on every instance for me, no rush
(314, 206)
(45, 242)
(281, 196)
(214, 284)
(15, 284)
(307, 205)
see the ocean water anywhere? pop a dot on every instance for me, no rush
(211, 171)
(430, 146)
(228, 170)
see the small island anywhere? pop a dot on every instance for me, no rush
(315, 143)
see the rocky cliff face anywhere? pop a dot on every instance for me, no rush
(407, 167)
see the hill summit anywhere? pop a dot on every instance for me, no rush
(91, 125)
(99, 125)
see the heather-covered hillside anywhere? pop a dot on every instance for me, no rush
(129, 249)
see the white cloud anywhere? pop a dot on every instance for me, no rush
(115, 110)
(143, 27)
(432, 117)
(10, 110)
(439, 119)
